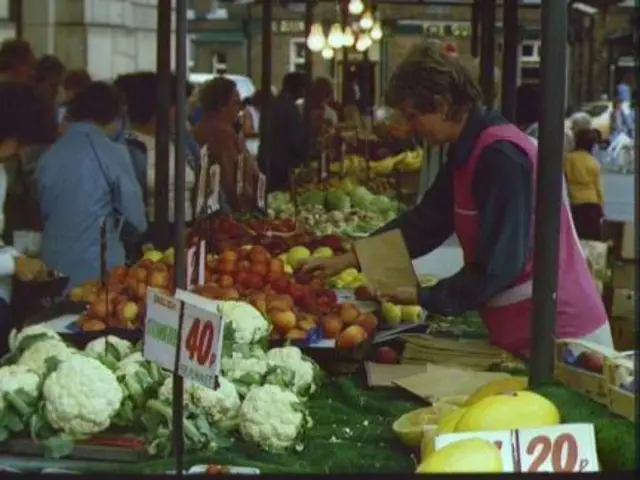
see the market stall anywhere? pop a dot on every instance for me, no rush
(292, 358)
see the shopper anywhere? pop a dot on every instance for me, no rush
(85, 180)
(50, 72)
(17, 61)
(251, 122)
(74, 82)
(220, 102)
(584, 182)
(286, 137)
(485, 195)
(19, 104)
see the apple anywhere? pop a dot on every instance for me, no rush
(224, 266)
(363, 293)
(92, 324)
(141, 290)
(351, 337)
(349, 313)
(307, 322)
(118, 274)
(332, 326)
(225, 281)
(369, 322)
(303, 278)
(207, 290)
(280, 301)
(386, 355)
(411, 313)
(259, 254)
(296, 334)
(159, 279)
(283, 320)
(230, 256)
(591, 361)
(244, 265)
(259, 301)
(159, 267)
(316, 284)
(102, 306)
(254, 281)
(281, 284)
(298, 292)
(276, 266)
(261, 269)
(140, 274)
(228, 294)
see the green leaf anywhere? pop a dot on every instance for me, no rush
(111, 351)
(29, 341)
(16, 400)
(13, 422)
(58, 446)
(4, 435)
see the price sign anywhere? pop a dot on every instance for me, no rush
(213, 200)
(191, 266)
(261, 192)
(562, 448)
(504, 440)
(240, 175)
(200, 350)
(323, 166)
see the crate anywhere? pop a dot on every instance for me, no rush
(580, 365)
(620, 370)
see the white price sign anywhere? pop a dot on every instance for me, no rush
(504, 440)
(196, 258)
(200, 351)
(568, 448)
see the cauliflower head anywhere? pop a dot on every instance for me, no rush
(246, 322)
(17, 337)
(220, 406)
(17, 377)
(246, 368)
(81, 396)
(273, 418)
(35, 357)
(290, 369)
(109, 349)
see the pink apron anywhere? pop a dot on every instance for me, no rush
(507, 316)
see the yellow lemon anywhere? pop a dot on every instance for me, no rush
(410, 426)
(473, 455)
(507, 385)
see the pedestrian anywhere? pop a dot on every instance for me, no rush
(17, 61)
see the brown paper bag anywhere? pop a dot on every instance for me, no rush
(385, 261)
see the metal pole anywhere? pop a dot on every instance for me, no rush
(265, 120)
(344, 17)
(591, 50)
(549, 196)
(487, 52)
(18, 17)
(160, 233)
(308, 66)
(510, 42)
(475, 27)
(248, 38)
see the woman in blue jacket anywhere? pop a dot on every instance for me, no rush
(86, 180)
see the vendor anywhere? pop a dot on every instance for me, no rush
(485, 195)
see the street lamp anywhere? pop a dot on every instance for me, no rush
(336, 37)
(364, 42)
(356, 7)
(376, 31)
(348, 38)
(316, 40)
(366, 21)
(327, 53)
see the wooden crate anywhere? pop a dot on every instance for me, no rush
(621, 402)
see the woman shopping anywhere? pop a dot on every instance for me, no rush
(485, 195)
(584, 183)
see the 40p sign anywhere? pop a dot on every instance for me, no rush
(200, 348)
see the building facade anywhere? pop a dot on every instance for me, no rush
(227, 38)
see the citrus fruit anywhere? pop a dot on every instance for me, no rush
(472, 455)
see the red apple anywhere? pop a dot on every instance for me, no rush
(386, 355)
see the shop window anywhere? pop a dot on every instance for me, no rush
(219, 63)
(297, 55)
(530, 51)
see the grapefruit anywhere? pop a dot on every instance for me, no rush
(472, 455)
(507, 385)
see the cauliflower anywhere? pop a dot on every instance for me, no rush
(38, 332)
(246, 368)
(109, 349)
(35, 357)
(81, 396)
(19, 393)
(220, 406)
(273, 418)
(246, 322)
(292, 370)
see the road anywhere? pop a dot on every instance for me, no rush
(618, 196)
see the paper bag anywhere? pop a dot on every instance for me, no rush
(385, 261)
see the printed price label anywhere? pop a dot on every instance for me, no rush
(191, 266)
(504, 440)
(261, 192)
(213, 200)
(562, 448)
(240, 175)
(201, 345)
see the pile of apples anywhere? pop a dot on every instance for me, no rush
(294, 303)
(120, 301)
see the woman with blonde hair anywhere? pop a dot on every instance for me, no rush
(485, 195)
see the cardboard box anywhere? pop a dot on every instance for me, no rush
(624, 275)
(620, 375)
(624, 303)
(580, 366)
(628, 249)
(623, 331)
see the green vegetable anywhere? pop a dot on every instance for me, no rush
(337, 200)
(312, 198)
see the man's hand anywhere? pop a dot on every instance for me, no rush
(399, 295)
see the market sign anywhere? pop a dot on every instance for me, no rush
(565, 448)
(461, 30)
(200, 349)
(287, 26)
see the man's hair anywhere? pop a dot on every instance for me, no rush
(585, 139)
(47, 66)
(99, 102)
(427, 74)
(14, 53)
(580, 121)
(294, 84)
(216, 94)
(26, 116)
(76, 80)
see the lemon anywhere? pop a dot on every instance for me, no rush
(410, 426)
(322, 252)
(391, 313)
(153, 255)
(473, 455)
(348, 274)
(509, 412)
(507, 385)
(447, 424)
(296, 254)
